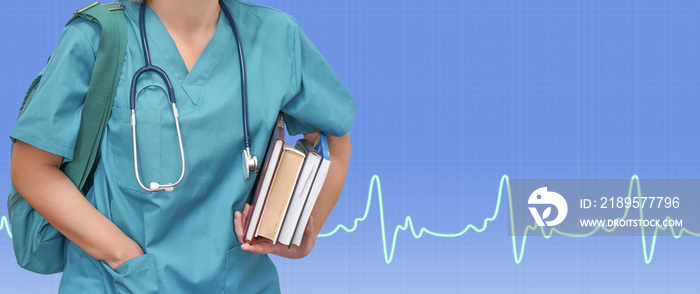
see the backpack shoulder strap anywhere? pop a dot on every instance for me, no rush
(102, 88)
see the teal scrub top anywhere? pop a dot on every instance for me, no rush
(187, 234)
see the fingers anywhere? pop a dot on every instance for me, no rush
(246, 210)
(259, 246)
(310, 224)
(239, 219)
(309, 230)
(238, 225)
(254, 248)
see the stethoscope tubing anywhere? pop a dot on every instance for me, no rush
(155, 187)
(250, 162)
(149, 67)
(244, 82)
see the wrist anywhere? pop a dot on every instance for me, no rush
(305, 248)
(122, 253)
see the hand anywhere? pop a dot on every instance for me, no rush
(265, 246)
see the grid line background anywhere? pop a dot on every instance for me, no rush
(452, 95)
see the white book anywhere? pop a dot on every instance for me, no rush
(322, 149)
(301, 191)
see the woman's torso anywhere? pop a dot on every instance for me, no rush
(187, 234)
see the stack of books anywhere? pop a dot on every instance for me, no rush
(287, 188)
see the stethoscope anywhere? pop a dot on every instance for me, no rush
(250, 163)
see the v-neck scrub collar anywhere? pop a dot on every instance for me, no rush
(164, 52)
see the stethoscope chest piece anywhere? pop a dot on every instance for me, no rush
(250, 163)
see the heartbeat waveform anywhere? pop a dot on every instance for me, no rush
(5, 224)
(517, 255)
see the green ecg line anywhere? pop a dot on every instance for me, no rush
(5, 224)
(518, 256)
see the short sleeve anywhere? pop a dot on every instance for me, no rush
(322, 102)
(51, 117)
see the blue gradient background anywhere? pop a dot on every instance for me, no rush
(453, 95)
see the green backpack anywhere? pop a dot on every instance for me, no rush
(38, 246)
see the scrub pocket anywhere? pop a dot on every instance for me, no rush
(83, 274)
(120, 146)
(136, 275)
(248, 272)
